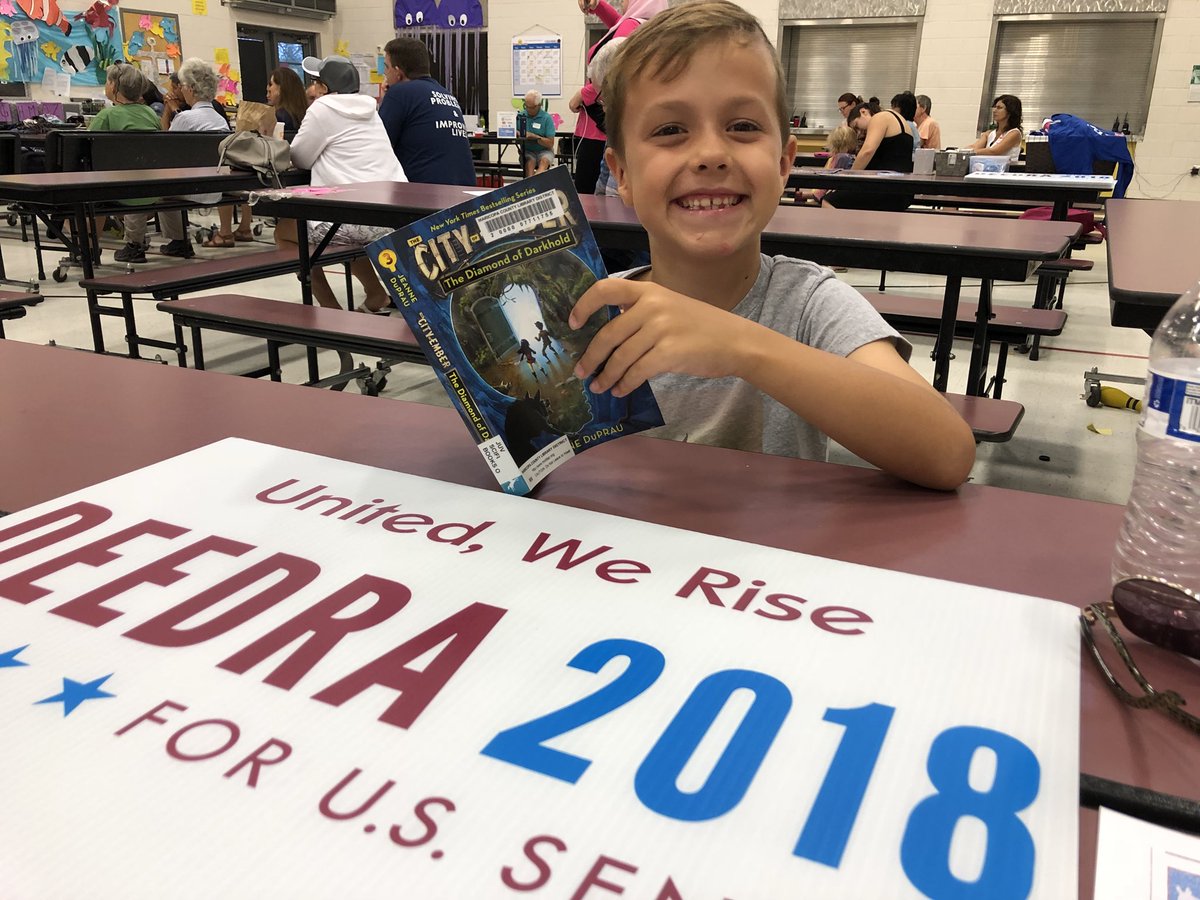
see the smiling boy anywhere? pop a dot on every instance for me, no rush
(743, 350)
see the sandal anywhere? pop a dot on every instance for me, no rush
(243, 237)
(219, 240)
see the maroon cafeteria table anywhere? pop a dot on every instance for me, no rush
(953, 246)
(85, 418)
(1151, 257)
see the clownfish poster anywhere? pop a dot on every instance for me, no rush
(39, 36)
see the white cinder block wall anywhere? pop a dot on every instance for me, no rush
(954, 47)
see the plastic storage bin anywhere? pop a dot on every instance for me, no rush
(988, 164)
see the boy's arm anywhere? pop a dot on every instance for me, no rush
(871, 402)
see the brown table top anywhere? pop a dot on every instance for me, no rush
(1151, 257)
(89, 418)
(67, 188)
(899, 242)
(947, 185)
(92, 417)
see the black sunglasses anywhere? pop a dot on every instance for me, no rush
(1161, 613)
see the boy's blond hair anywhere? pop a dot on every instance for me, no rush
(666, 44)
(843, 139)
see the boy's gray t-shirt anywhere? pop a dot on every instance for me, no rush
(797, 298)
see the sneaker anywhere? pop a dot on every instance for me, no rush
(132, 253)
(181, 248)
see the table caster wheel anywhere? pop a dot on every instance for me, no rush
(11, 220)
(257, 229)
(59, 274)
(1093, 395)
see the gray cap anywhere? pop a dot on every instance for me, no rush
(337, 72)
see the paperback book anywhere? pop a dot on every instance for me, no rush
(487, 286)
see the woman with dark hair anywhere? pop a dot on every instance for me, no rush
(905, 103)
(1006, 135)
(847, 102)
(887, 145)
(153, 97)
(285, 92)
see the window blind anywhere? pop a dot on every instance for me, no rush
(824, 61)
(1097, 69)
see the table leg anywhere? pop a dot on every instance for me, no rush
(305, 276)
(83, 246)
(945, 339)
(977, 374)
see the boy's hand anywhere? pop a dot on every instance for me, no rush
(659, 331)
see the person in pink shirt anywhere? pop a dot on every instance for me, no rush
(590, 137)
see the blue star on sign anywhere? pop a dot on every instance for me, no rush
(76, 692)
(9, 660)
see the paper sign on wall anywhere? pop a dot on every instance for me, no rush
(275, 674)
(537, 64)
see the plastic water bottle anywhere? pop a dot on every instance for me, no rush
(1160, 537)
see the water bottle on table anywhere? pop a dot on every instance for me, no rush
(1160, 536)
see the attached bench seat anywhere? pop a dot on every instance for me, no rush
(1008, 325)
(14, 304)
(923, 315)
(279, 322)
(170, 282)
(992, 420)
(164, 282)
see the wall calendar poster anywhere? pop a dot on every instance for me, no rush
(537, 64)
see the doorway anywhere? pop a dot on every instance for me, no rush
(261, 50)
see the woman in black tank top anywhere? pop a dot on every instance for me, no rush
(887, 146)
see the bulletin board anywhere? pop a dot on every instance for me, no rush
(57, 43)
(152, 43)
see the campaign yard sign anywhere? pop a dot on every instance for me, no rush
(252, 672)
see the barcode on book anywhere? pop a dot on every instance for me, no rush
(520, 216)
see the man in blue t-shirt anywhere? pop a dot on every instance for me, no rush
(423, 119)
(538, 133)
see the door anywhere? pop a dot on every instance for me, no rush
(261, 50)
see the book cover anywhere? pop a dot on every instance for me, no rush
(487, 286)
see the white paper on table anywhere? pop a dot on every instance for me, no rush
(885, 735)
(1136, 860)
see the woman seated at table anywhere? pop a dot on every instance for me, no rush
(843, 141)
(125, 86)
(887, 145)
(1006, 135)
(342, 141)
(285, 95)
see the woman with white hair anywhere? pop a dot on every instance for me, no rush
(198, 85)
